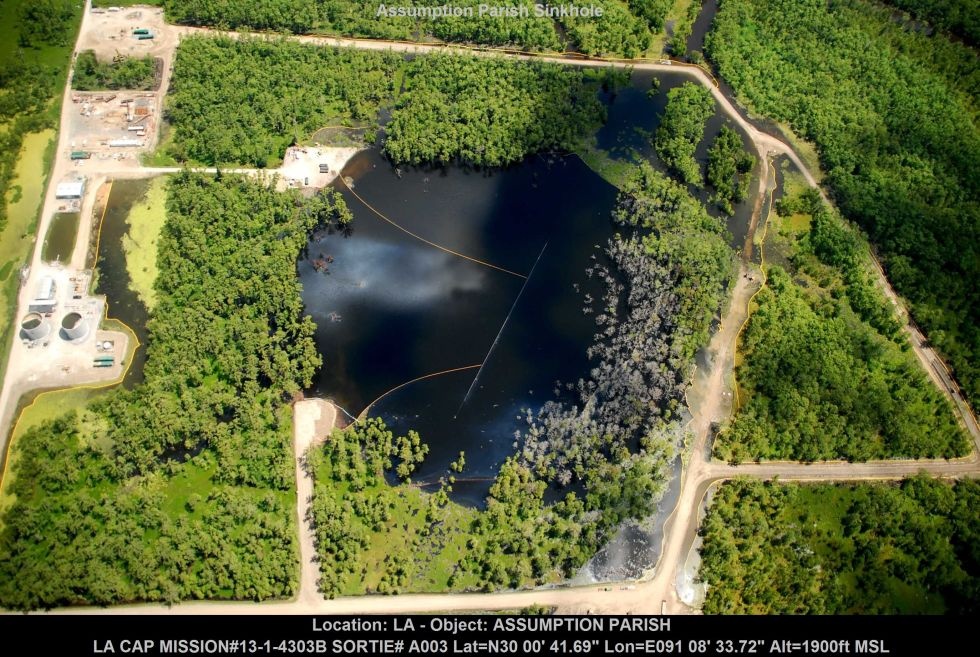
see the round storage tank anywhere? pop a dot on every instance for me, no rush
(74, 327)
(34, 327)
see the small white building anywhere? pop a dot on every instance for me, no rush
(70, 189)
(44, 301)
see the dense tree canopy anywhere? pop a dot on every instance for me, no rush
(821, 384)
(729, 169)
(617, 32)
(624, 29)
(490, 111)
(654, 12)
(244, 101)
(47, 22)
(774, 548)
(121, 73)
(893, 115)
(681, 129)
(825, 372)
(182, 487)
(298, 16)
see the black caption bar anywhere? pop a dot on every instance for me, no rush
(480, 635)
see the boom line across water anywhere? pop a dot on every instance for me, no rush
(501, 331)
(422, 239)
(418, 378)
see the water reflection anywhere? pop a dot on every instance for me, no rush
(391, 308)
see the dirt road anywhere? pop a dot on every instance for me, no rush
(312, 420)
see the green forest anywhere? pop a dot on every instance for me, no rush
(893, 115)
(870, 548)
(665, 281)
(625, 28)
(245, 101)
(491, 111)
(729, 169)
(618, 32)
(182, 487)
(825, 371)
(121, 73)
(681, 129)
(961, 17)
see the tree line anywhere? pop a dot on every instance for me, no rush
(681, 129)
(31, 76)
(729, 169)
(245, 101)
(89, 74)
(625, 29)
(869, 548)
(892, 112)
(182, 487)
(957, 16)
(490, 111)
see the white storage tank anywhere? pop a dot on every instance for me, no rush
(74, 327)
(34, 327)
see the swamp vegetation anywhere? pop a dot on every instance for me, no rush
(182, 487)
(868, 548)
(597, 454)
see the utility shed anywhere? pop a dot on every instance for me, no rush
(46, 289)
(72, 189)
(44, 301)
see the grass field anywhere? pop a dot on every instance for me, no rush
(17, 238)
(824, 508)
(840, 548)
(145, 220)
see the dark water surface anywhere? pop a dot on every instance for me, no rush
(393, 308)
(634, 116)
(455, 301)
(60, 240)
(113, 277)
(702, 24)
